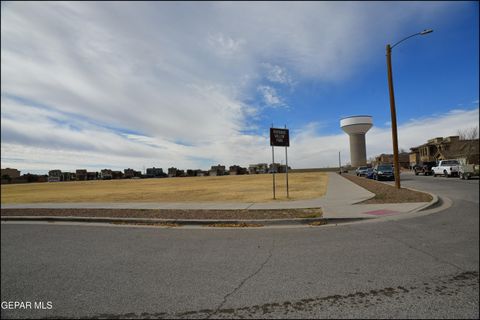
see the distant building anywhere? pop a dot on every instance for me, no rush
(106, 174)
(258, 168)
(403, 159)
(81, 174)
(68, 176)
(192, 173)
(451, 147)
(202, 173)
(237, 170)
(30, 178)
(92, 175)
(155, 173)
(278, 168)
(174, 172)
(117, 175)
(55, 176)
(218, 170)
(11, 173)
(130, 173)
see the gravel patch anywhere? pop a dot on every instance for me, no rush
(385, 193)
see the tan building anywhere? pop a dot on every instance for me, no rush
(55, 176)
(236, 170)
(403, 159)
(258, 168)
(218, 170)
(446, 148)
(12, 173)
(174, 172)
(130, 173)
(106, 174)
(81, 174)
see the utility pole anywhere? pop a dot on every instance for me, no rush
(394, 117)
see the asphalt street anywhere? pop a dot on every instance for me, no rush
(421, 267)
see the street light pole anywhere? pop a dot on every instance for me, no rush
(392, 105)
(394, 117)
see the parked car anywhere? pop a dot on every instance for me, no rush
(383, 172)
(361, 171)
(424, 167)
(447, 168)
(369, 174)
(466, 171)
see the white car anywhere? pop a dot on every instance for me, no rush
(447, 168)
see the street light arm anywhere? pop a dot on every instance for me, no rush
(413, 35)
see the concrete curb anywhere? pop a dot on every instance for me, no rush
(425, 206)
(183, 222)
(421, 208)
(428, 205)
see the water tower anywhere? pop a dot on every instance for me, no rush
(356, 127)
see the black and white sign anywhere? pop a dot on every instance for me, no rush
(279, 137)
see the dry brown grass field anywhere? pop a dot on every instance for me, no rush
(244, 188)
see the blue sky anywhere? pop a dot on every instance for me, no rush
(133, 84)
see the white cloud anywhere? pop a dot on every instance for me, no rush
(175, 76)
(39, 139)
(278, 74)
(270, 97)
(225, 45)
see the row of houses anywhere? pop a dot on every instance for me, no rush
(84, 175)
(107, 174)
(10, 175)
(434, 150)
(464, 150)
(220, 170)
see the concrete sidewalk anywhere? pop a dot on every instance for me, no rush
(338, 202)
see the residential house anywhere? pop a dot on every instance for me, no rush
(117, 175)
(258, 168)
(10, 172)
(68, 176)
(218, 170)
(106, 174)
(155, 173)
(55, 176)
(130, 173)
(202, 173)
(403, 159)
(92, 175)
(237, 170)
(446, 148)
(194, 173)
(174, 172)
(277, 168)
(81, 174)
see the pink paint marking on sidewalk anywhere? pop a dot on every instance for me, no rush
(381, 212)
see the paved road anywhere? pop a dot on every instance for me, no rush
(424, 267)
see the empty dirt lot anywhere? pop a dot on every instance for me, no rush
(244, 188)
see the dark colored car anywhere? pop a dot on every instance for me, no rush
(369, 174)
(383, 172)
(425, 168)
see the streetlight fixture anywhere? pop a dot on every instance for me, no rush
(392, 104)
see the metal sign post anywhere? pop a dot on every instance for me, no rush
(280, 138)
(339, 163)
(273, 171)
(286, 166)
